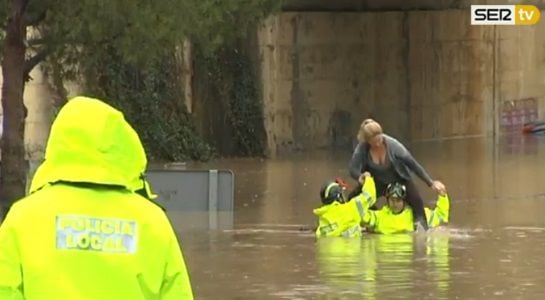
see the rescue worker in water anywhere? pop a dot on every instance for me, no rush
(89, 228)
(338, 217)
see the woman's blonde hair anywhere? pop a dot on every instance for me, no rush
(369, 128)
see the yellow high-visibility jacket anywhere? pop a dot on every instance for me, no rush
(84, 232)
(343, 219)
(385, 221)
(338, 219)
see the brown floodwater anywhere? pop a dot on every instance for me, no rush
(264, 249)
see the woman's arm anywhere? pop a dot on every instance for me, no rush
(417, 169)
(413, 165)
(356, 162)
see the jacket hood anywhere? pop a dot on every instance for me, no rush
(92, 142)
(322, 210)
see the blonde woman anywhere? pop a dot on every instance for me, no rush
(388, 161)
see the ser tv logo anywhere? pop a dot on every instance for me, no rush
(504, 15)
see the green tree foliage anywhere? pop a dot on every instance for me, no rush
(229, 77)
(139, 31)
(151, 99)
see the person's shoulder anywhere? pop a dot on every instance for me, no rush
(153, 208)
(391, 139)
(32, 201)
(381, 213)
(20, 207)
(53, 198)
(395, 144)
(26, 209)
(361, 147)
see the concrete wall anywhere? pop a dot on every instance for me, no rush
(520, 65)
(451, 75)
(324, 72)
(462, 75)
(422, 74)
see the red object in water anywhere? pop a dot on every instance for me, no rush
(341, 182)
(527, 128)
(534, 127)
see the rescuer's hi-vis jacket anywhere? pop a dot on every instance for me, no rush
(344, 219)
(385, 221)
(84, 232)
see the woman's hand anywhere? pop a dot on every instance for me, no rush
(439, 187)
(362, 177)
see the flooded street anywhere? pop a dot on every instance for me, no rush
(265, 249)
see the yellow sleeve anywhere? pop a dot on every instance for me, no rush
(11, 279)
(443, 208)
(176, 283)
(440, 215)
(369, 190)
(366, 199)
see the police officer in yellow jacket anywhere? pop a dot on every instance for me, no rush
(396, 216)
(85, 232)
(338, 217)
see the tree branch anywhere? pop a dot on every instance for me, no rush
(36, 42)
(34, 60)
(24, 5)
